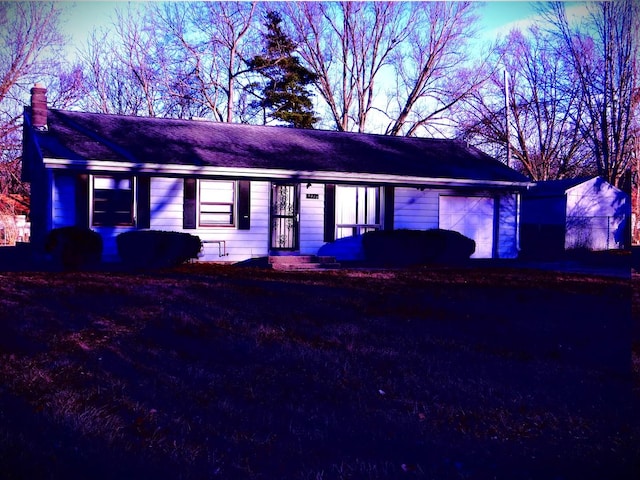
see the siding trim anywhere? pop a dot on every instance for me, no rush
(244, 205)
(389, 207)
(189, 206)
(82, 200)
(329, 212)
(143, 201)
(495, 249)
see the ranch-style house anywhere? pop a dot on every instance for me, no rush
(251, 191)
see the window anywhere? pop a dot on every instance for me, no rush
(112, 201)
(357, 210)
(217, 203)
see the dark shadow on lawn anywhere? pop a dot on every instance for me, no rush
(278, 376)
(33, 447)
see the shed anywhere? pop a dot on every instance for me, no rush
(580, 213)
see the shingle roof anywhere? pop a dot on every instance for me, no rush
(143, 140)
(549, 188)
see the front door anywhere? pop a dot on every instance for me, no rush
(284, 217)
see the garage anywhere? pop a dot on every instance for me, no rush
(473, 217)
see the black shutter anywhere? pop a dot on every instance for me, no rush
(329, 213)
(82, 200)
(389, 202)
(189, 206)
(244, 205)
(144, 202)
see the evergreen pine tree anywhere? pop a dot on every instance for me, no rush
(284, 96)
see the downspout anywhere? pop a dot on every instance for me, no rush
(518, 202)
(495, 249)
(49, 189)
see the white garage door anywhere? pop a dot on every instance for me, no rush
(472, 217)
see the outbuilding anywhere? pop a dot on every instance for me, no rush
(251, 191)
(581, 213)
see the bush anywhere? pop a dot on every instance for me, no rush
(345, 249)
(416, 247)
(74, 248)
(156, 249)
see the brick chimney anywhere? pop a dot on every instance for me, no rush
(39, 106)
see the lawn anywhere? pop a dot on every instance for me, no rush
(208, 371)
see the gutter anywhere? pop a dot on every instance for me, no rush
(275, 174)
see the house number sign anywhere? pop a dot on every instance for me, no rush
(313, 196)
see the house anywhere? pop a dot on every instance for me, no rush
(580, 213)
(251, 191)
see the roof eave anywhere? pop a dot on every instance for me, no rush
(276, 174)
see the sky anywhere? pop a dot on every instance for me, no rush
(497, 17)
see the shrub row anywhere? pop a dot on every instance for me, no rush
(416, 247)
(156, 249)
(77, 248)
(74, 248)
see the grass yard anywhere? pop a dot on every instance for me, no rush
(206, 372)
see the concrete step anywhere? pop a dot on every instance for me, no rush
(292, 259)
(303, 262)
(304, 266)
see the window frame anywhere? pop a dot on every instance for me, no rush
(232, 205)
(105, 214)
(362, 206)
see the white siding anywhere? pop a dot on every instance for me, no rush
(167, 215)
(473, 217)
(167, 204)
(596, 214)
(415, 209)
(420, 210)
(63, 206)
(63, 201)
(311, 219)
(240, 244)
(508, 228)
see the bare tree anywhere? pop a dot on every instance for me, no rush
(123, 66)
(68, 88)
(191, 59)
(348, 45)
(603, 51)
(30, 40)
(433, 67)
(207, 45)
(138, 53)
(398, 67)
(112, 85)
(229, 30)
(545, 109)
(178, 60)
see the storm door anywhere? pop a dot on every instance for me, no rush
(284, 217)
